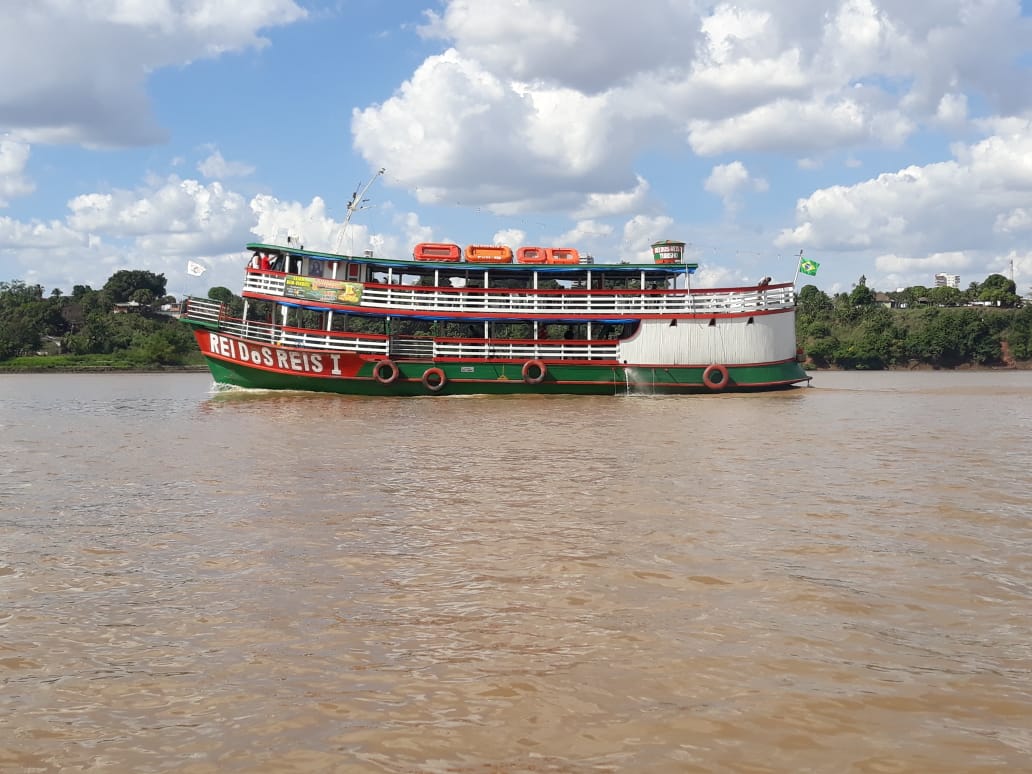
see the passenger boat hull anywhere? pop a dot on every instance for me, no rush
(237, 362)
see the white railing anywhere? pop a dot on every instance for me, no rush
(526, 350)
(401, 347)
(202, 309)
(387, 298)
(267, 333)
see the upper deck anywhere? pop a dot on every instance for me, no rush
(365, 285)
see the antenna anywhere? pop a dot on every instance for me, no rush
(357, 200)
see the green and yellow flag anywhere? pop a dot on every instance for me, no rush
(806, 266)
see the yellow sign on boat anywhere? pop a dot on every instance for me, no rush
(326, 290)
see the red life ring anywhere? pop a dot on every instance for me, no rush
(392, 371)
(529, 369)
(715, 377)
(434, 379)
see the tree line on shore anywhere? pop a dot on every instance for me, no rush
(128, 324)
(125, 324)
(985, 325)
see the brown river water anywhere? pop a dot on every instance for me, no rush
(831, 579)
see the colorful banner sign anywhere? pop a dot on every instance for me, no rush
(325, 290)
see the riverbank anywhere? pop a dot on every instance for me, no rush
(78, 364)
(104, 370)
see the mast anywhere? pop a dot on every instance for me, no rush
(355, 204)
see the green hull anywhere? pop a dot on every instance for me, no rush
(467, 378)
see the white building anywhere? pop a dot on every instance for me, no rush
(947, 281)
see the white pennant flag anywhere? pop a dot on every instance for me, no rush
(194, 269)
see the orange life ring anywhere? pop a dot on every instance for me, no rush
(715, 377)
(529, 368)
(392, 371)
(434, 379)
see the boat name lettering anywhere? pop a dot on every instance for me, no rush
(274, 357)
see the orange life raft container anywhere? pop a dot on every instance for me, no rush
(562, 255)
(489, 254)
(433, 251)
(531, 255)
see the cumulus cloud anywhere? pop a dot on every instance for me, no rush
(641, 232)
(728, 181)
(938, 207)
(951, 215)
(83, 67)
(215, 166)
(172, 215)
(14, 157)
(618, 203)
(895, 265)
(568, 43)
(156, 226)
(532, 92)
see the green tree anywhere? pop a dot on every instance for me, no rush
(945, 296)
(143, 297)
(999, 291)
(25, 317)
(862, 296)
(814, 302)
(122, 284)
(951, 337)
(875, 342)
(234, 304)
(915, 296)
(1019, 334)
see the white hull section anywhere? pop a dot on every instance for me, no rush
(762, 338)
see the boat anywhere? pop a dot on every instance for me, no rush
(441, 324)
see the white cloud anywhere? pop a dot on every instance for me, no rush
(155, 227)
(952, 110)
(954, 216)
(532, 91)
(568, 43)
(641, 232)
(799, 127)
(929, 265)
(82, 68)
(513, 237)
(619, 203)
(938, 207)
(14, 157)
(215, 166)
(173, 216)
(1016, 220)
(728, 180)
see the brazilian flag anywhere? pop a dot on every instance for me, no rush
(806, 266)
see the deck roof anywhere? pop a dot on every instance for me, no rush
(410, 266)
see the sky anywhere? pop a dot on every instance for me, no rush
(884, 139)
